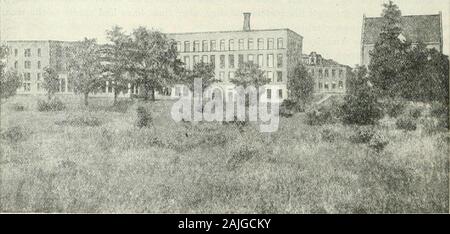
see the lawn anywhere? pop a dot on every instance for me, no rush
(94, 159)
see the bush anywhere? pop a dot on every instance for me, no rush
(54, 104)
(15, 134)
(378, 142)
(319, 116)
(363, 109)
(362, 134)
(415, 112)
(144, 118)
(288, 108)
(441, 112)
(406, 123)
(394, 108)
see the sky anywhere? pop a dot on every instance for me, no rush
(329, 27)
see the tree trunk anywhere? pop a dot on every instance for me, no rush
(86, 96)
(115, 96)
(145, 93)
(152, 92)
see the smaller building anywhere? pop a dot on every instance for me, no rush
(329, 76)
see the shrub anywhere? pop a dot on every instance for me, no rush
(378, 142)
(319, 116)
(363, 109)
(288, 108)
(15, 134)
(394, 108)
(441, 112)
(144, 118)
(406, 123)
(54, 104)
(362, 134)
(415, 112)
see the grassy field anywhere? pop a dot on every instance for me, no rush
(94, 159)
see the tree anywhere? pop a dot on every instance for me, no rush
(388, 57)
(301, 86)
(154, 61)
(249, 74)
(361, 106)
(51, 82)
(116, 56)
(205, 71)
(10, 81)
(85, 68)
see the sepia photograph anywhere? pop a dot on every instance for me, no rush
(224, 107)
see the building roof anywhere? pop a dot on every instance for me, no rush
(235, 31)
(416, 28)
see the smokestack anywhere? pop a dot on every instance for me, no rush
(247, 21)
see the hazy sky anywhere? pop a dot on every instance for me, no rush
(330, 27)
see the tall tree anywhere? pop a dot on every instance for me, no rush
(301, 86)
(116, 55)
(85, 68)
(51, 82)
(387, 58)
(154, 61)
(202, 70)
(10, 80)
(249, 74)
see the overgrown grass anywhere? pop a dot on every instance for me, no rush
(67, 164)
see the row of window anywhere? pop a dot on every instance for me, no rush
(185, 92)
(224, 45)
(26, 64)
(326, 85)
(326, 73)
(26, 52)
(262, 61)
(269, 74)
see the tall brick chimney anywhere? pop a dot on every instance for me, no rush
(247, 21)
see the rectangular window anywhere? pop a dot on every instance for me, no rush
(196, 46)
(222, 61)
(16, 52)
(250, 58)
(221, 75)
(341, 73)
(312, 72)
(16, 64)
(213, 46)
(341, 84)
(333, 85)
(333, 73)
(63, 85)
(38, 86)
(27, 53)
(280, 60)
(27, 76)
(280, 94)
(241, 44)
(205, 46)
(270, 60)
(38, 76)
(231, 61)
(260, 44)
(177, 91)
(250, 44)
(280, 43)
(270, 44)
(231, 75)
(270, 76)
(279, 76)
(320, 73)
(186, 61)
(326, 73)
(196, 59)
(205, 59)
(326, 86)
(231, 44)
(320, 85)
(269, 94)
(27, 87)
(187, 46)
(260, 60)
(222, 45)
(179, 46)
(27, 64)
(39, 52)
(212, 58)
(240, 59)
(39, 64)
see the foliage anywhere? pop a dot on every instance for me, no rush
(85, 68)
(15, 134)
(249, 74)
(415, 112)
(54, 104)
(406, 123)
(301, 85)
(144, 118)
(202, 70)
(394, 107)
(330, 134)
(10, 81)
(319, 116)
(362, 134)
(378, 142)
(51, 82)
(288, 108)
(441, 112)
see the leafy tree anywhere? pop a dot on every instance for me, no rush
(51, 81)
(249, 74)
(388, 57)
(154, 61)
(361, 106)
(301, 86)
(10, 81)
(85, 68)
(116, 56)
(201, 70)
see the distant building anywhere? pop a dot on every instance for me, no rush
(276, 51)
(416, 28)
(329, 76)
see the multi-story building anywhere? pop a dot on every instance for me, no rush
(275, 51)
(30, 58)
(415, 28)
(329, 76)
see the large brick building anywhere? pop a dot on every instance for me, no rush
(276, 51)
(416, 28)
(329, 76)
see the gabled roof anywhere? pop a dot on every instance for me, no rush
(424, 28)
